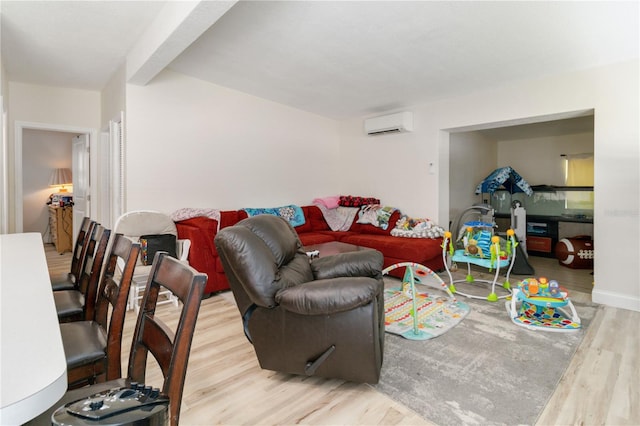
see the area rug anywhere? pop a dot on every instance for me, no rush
(484, 371)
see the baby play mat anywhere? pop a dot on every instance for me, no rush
(418, 315)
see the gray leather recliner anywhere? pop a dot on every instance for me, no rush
(321, 317)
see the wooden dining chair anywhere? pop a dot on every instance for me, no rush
(170, 347)
(93, 348)
(79, 305)
(68, 280)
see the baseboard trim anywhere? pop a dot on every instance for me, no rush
(616, 300)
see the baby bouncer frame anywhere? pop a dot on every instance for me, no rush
(430, 314)
(495, 262)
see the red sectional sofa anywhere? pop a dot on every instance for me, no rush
(204, 257)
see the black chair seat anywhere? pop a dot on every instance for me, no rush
(63, 282)
(84, 342)
(69, 303)
(69, 280)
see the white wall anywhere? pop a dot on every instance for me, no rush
(472, 158)
(113, 97)
(4, 84)
(42, 152)
(611, 91)
(194, 144)
(394, 167)
(58, 107)
(45, 104)
(538, 160)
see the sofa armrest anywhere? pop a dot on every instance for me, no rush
(324, 297)
(200, 232)
(364, 263)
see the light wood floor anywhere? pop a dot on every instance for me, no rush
(225, 385)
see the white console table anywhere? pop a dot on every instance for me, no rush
(33, 370)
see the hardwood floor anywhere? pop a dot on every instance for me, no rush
(225, 384)
(575, 280)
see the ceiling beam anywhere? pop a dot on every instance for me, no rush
(177, 26)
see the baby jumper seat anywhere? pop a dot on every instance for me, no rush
(482, 248)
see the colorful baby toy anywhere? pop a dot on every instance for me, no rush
(542, 306)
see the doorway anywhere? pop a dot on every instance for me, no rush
(19, 169)
(43, 152)
(535, 150)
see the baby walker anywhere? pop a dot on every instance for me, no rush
(542, 306)
(481, 248)
(419, 315)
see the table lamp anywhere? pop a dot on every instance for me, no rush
(60, 178)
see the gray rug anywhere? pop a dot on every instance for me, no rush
(485, 371)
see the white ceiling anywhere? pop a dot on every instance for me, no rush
(75, 44)
(336, 59)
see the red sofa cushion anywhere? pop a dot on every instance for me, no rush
(231, 217)
(416, 249)
(315, 218)
(309, 238)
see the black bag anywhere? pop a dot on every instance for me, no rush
(150, 244)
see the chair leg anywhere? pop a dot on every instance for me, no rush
(131, 300)
(136, 298)
(136, 291)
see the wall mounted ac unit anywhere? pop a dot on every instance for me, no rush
(392, 123)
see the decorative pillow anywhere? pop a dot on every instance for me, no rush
(351, 201)
(410, 227)
(369, 214)
(292, 213)
(376, 215)
(331, 202)
(384, 215)
(150, 244)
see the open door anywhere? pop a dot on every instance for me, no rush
(81, 181)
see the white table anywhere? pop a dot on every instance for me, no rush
(33, 370)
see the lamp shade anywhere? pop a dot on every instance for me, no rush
(60, 177)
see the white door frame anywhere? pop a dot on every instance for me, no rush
(18, 129)
(117, 177)
(4, 174)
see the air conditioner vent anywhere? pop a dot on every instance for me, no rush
(382, 132)
(392, 123)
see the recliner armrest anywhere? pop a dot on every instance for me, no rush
(365, 263)
(323, 297)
